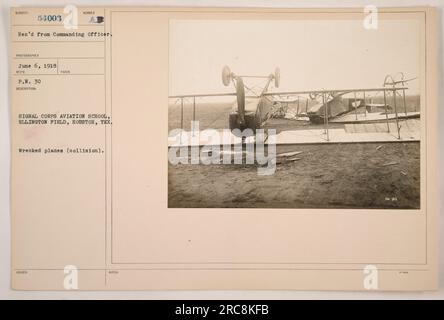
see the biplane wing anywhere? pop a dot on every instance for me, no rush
(332, 91)
(203, 95)
(254, 109)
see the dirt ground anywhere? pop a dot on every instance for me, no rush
(365, 175)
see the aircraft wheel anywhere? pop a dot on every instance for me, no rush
(227, 76)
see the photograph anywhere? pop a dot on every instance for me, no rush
(294, 114)
(301, 157)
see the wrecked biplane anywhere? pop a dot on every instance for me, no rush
(253, 109)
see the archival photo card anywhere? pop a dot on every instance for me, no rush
(224, 148)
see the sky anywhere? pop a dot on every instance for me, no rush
(311, 54)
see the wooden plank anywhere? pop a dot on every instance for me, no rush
(369, 127)
(381, 127)
(359, 128)
(349, 128)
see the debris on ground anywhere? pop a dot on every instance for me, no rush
(378, 147)
(289, 154)
(390, 163)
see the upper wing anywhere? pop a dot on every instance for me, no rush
(203, 95)
(341, 91)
